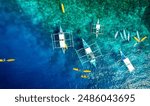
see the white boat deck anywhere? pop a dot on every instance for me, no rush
(61, 40)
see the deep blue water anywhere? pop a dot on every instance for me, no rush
(36, 65)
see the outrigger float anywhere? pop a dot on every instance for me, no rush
(86, 54)
(62, 40)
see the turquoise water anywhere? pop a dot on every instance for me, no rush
(25, 34)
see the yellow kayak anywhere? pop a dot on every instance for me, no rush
(84, 76)
(2, 60)
(137, 39)
(76, 69)
(87, 71)
(143, 38)
(10, 60)
(66, 47)
(62, 8)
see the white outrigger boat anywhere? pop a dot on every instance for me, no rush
(97, 28)
(59, 40)
(127, 62)
(89, 54)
